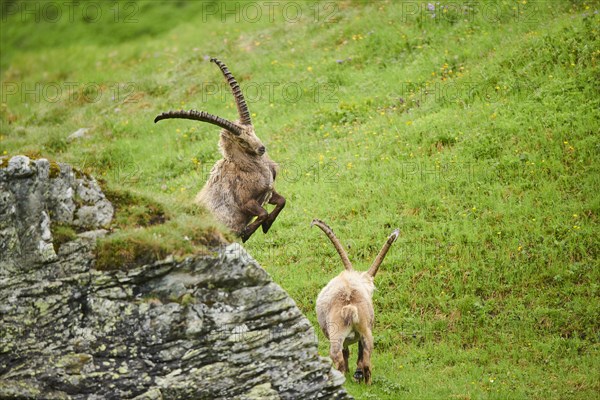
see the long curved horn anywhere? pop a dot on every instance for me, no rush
(201, 116)
(237, 93)
(379, 259)
(336, 243)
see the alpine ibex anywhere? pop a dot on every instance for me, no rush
(345, 309)
(241, 183)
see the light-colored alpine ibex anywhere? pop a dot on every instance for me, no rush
(241, 183)
(345, 309)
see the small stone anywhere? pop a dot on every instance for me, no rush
(78, 134)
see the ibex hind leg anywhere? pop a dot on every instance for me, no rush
(337, 354)
(346, 354)
(358, 374)
(367, 340)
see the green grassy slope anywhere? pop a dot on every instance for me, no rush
(474, 130)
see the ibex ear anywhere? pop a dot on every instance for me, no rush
(379, 259)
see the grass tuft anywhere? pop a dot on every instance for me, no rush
(61, 234)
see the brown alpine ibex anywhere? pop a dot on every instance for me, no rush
(240, 183)
(345, 309)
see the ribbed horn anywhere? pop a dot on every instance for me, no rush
(379, 259)
(237, 93)
(336, 243)
(201, 116)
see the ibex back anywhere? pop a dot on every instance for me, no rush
(240, 183)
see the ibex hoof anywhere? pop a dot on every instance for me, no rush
(266, 226)
(358, 375)
(245, 236)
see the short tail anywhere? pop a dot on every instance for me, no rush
(350, 315)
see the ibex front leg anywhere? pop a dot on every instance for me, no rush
(279, 202)
(252, 207)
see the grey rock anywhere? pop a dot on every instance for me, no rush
(18, 167)
(206, 327)
(33, 195)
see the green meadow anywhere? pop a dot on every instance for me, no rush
(473, 127)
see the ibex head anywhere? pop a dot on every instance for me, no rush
(240, 132)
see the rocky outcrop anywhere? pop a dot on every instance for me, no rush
(34, 195)
(213, 327)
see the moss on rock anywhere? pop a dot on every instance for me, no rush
(54, 171)
(134, 210)
(61, 234)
